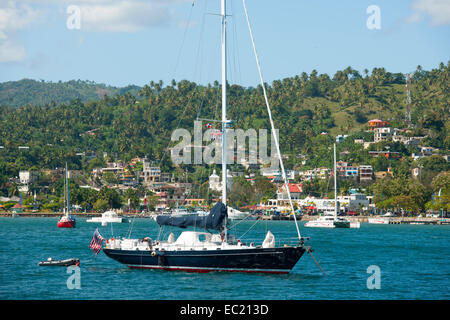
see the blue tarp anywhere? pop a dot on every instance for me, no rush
(214, 220)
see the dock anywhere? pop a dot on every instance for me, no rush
(394, 220)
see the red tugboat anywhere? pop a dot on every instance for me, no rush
(66, 221)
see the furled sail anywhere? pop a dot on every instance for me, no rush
(214, 220)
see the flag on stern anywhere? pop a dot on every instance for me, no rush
(96, 242)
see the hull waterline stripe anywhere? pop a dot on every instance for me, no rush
(205, 269)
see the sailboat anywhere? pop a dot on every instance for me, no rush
(213, 248)
(66, 221)
(333, 221)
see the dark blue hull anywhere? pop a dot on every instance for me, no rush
(265, 260)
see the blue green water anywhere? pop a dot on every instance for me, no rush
(413, 260)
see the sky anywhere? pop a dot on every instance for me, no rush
(122, 42)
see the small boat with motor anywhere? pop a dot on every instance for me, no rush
(61, 263)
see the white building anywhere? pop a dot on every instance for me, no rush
(383, 134)
(25, 179)
(321, 173)
(215, 183)
(355, 201)
(326, 206)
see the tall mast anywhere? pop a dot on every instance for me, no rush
(335, 183)
(224, 102)
(68, 194)
(65, 197)
(224, 109)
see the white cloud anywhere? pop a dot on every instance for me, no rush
(96, 15)
(13, 18)
(11, 51)
(119, 15)
(437, 10)
(123, 16)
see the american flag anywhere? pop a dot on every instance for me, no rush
(96, 242)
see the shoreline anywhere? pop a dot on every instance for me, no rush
(392, 220)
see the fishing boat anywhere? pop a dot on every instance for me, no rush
(66, 221)
(209, 246)
(109, 216)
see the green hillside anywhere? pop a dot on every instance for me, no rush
(32, 92)
(303, 107)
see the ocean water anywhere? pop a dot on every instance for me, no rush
(413, 263)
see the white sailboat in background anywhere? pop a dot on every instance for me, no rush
(333, 221)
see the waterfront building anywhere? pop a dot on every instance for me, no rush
(295, 189)
(354, 202)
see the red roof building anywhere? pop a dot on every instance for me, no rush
(376, 123)
(295, 188)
